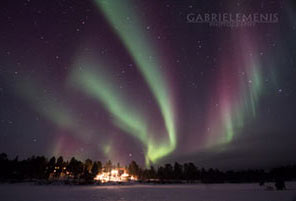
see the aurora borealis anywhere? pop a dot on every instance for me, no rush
(135, 81)
(145, 58)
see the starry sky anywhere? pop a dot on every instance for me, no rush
(133, 80)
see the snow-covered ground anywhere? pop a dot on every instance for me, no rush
(199, 192)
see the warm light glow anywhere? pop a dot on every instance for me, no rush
(115, 175)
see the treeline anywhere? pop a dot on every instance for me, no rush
(42, 169)
(190, 173)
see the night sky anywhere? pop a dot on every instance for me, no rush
(133, 80)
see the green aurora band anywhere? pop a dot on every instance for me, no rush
(130, 30)
(238, 105)
(57, 113)
(96, 83)
(246, 107)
